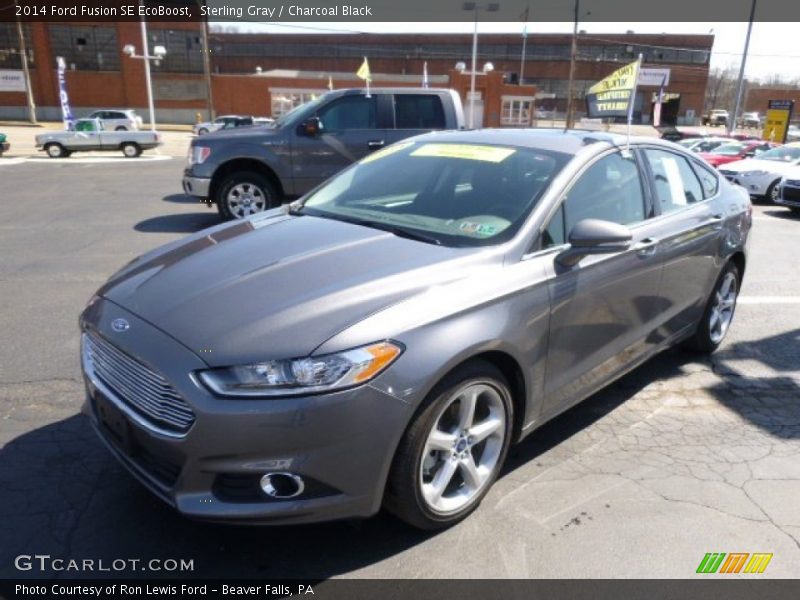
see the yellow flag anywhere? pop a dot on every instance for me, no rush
(363, 71)
(621, 79)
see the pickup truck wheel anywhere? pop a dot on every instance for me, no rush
(56, 151)
(245, 193)
(130, 150)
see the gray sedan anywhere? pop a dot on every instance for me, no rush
(382, 341)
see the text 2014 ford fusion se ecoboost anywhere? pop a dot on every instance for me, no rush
(384, 339)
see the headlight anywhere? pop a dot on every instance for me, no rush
(198, 154)
(753, 173)
(305, 375)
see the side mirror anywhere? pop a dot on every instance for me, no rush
(594, 236)
(311, 127)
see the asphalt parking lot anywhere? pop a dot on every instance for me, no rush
(680, 458)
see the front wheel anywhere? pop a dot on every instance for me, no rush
(130, 150)
(55, 151)
(452, 452)
(245, 193)
(772, 192)
(719, 311)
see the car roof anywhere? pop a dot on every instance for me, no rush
(554, 139)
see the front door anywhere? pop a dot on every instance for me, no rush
(604, 308)
(348, 132)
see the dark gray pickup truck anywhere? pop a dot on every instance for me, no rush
(249, 170)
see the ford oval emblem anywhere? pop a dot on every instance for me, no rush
(120, 325)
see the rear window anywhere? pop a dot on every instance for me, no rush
(418, 111)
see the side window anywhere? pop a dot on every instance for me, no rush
(611, 190)
(418, 111)
(708, 180)
(676, 184)
(350, 112)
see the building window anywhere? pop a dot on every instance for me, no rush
(86, 48)
(184, 50)
(516, 111)
(284, 100)
(10, 57)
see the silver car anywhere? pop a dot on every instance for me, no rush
(382, 341)
(117, 119)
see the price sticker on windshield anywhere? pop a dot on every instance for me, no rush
(493, 154)
(386, 152)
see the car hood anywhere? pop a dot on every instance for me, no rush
(277, 286)
(754, 164)
(259, 133)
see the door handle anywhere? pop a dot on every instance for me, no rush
(375, 144)
(716, 221)
(647, 247)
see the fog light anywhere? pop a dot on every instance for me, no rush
(282, 485)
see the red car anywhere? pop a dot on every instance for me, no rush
(736, 151)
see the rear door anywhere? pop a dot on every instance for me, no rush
(414, 114)
(604, 309)
(349, 131)
(689, 225)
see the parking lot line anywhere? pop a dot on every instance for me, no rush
(768, 300)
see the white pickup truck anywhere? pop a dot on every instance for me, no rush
(89, 134)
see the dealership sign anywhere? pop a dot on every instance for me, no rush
(12, 81)
(654, 77)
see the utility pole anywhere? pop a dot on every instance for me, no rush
(740, 84)
(570, 122)
(147, 79)
(25, 71)
(207, 70)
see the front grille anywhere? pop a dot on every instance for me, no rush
(142, 389)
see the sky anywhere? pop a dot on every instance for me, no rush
(774, 48)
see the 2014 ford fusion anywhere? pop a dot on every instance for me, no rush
(383, 340)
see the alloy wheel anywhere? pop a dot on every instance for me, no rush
(245, 199)
(721, 313)
(463, 448)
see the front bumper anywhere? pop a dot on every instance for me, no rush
(756, 186)
(196, 186)
(341, 444)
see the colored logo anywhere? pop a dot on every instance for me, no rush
(735, 562)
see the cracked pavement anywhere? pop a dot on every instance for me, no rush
(682, 457)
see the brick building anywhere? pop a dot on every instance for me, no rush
(264, 74)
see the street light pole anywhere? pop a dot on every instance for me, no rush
(740, 84)
(570, 122)
(148, 80)
(25, 71)
(472, 73)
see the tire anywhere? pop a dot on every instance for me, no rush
(55, 150)
(121, 128)
(245, 193)
(411, 491)
(772, 192)
(711, 330)
(131, 150)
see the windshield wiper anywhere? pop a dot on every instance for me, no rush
(395, 229)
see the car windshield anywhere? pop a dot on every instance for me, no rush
(730, 149)
(782, 154)
(442, 193)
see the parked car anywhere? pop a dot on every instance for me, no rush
(4, 145)
(704, 144)
(733, 151)
(760, 176)
(793, 134)
(715, 118)
(789, 190)
(673, 134)
(751, 119)
(225, 122)
(383, 340)
(118, 120)
(250, 170)
(89, 134)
